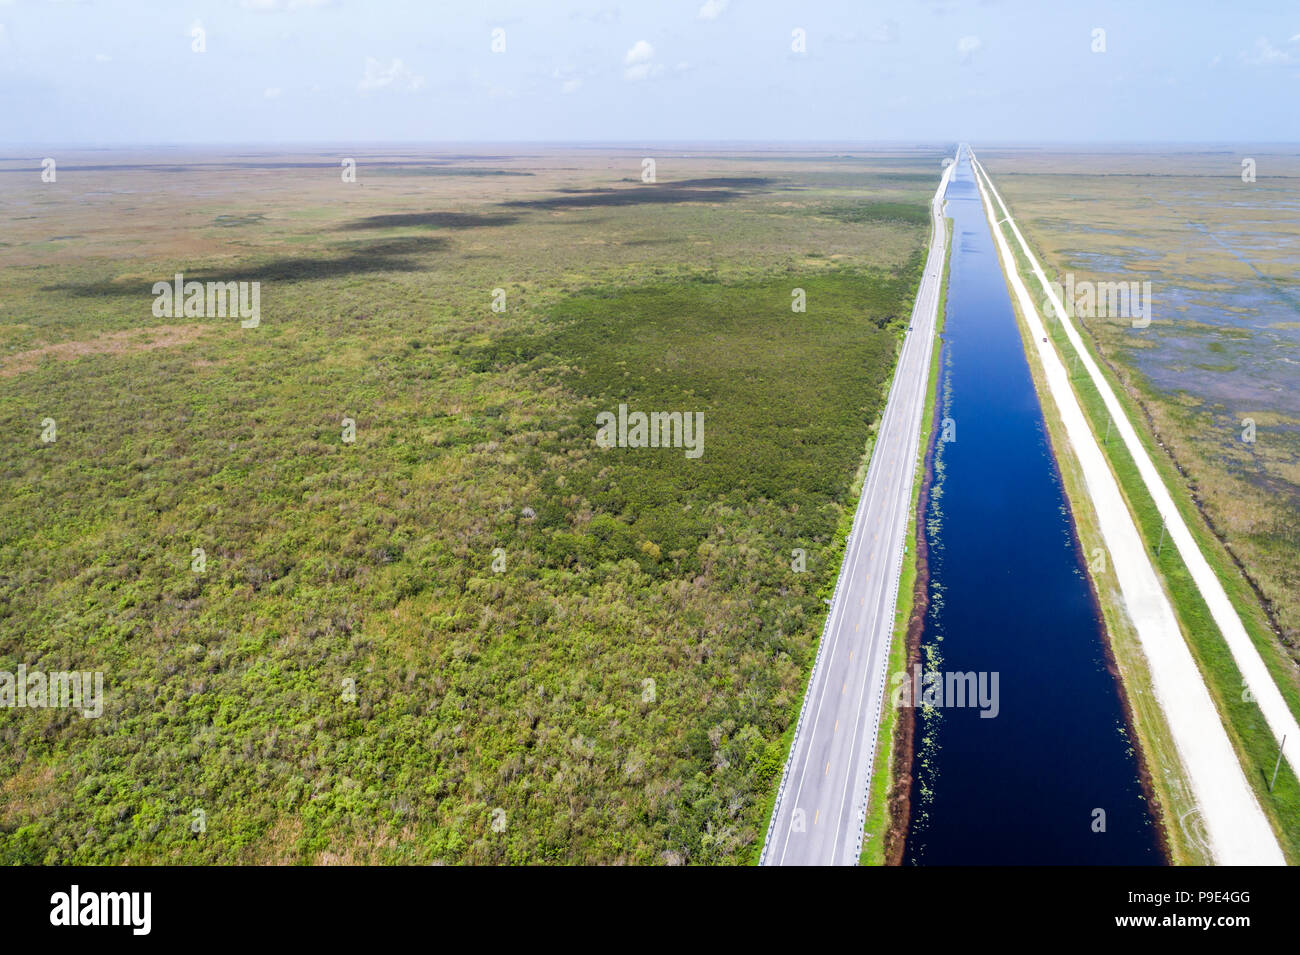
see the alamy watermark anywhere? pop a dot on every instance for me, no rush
(658, 429)
(1130, 301)
(130, 909)
(63, 689)
(180, 298)
(944, 690)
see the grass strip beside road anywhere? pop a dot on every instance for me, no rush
(883, 779)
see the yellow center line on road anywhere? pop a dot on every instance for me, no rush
(828, 768)
(817, 815)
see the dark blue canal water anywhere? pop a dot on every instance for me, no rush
(1008, 594)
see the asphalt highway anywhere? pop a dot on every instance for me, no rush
(821, 808)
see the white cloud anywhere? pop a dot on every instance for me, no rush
(606, 15)
(1266, 54)
(272, 92)
(102, 58)
(887, 32)
(967, 46)
(395, 75)
(570, 82)
(639, 62)
(641, 52)
(642, 71)
(712, 9)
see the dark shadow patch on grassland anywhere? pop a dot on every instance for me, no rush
(640, 196)
(715, 182)
(721, 189)
(231, 221)
(725, 182)
(387, 255)
(435, 220)
(570, 222)
(398, 245)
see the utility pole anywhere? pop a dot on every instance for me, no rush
(1277, 765)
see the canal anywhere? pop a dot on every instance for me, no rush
(1042, 770)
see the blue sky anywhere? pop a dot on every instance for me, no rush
(333, 71)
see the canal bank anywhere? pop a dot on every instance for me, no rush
(1048, 773)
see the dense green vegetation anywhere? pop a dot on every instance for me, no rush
(471, 635)
(769, 382)
(906, 212)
